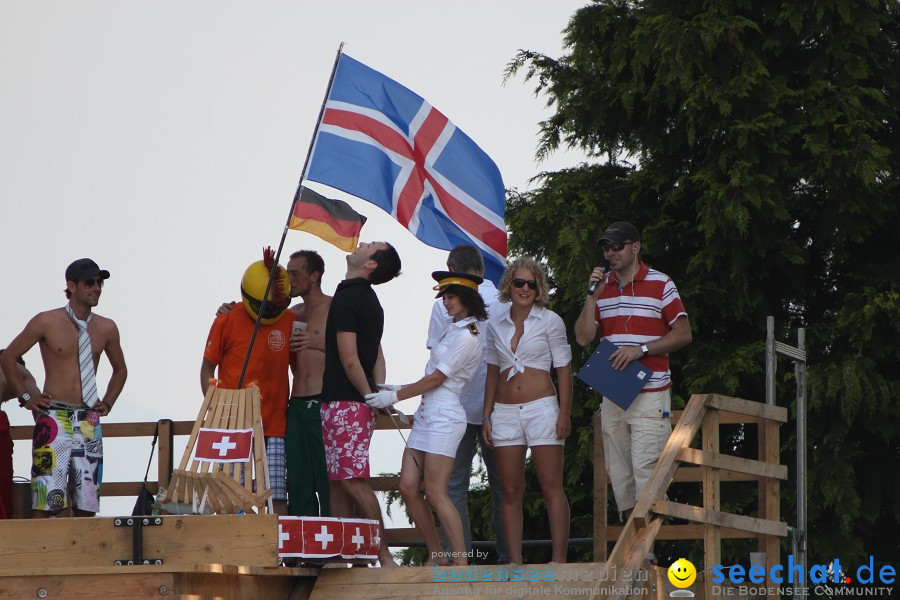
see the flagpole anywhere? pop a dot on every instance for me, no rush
(312, 141)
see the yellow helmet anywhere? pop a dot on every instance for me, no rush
(253, 286)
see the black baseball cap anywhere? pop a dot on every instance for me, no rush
(621, 232)
(84, 268)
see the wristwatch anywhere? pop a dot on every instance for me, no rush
(24, 399)
(645, 349)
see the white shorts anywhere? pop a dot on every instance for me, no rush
(528, 424)
(438, 425)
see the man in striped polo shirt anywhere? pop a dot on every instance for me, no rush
(638, 309)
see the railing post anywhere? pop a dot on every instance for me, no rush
(165, 458)
(601, 485)
(712, 534)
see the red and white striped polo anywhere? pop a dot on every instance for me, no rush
(641, 312)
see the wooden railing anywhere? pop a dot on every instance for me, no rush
(704, 414)
(165, 461)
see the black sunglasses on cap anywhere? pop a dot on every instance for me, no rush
(517, 283)
(615, 246)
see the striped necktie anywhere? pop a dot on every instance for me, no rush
(85, 359)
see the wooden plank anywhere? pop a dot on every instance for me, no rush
(683, 532)
(164, 456)
(712, 537)
(383, 422)
(233, 501)
(695, 513)
(246, 500)
(384, 484)
(263, 482)
(234, 585)
(601, 489)
(733, 463)
(570, 580)
(725, 418)
(687, 474)
(125, 586)
(748, 407)
(37, 546)
(402, 534)
(770, 493)
(125, 488)
(642, 544)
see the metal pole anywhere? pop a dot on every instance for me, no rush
(274, 270)
(771, 364)
(800, 373)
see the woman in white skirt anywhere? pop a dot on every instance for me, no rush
(521, 407)
(440, 421)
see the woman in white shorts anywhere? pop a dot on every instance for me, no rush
(440, 421)
(520, 403)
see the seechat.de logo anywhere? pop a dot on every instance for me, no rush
(682, 574)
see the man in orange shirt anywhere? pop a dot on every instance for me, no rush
(227, 346)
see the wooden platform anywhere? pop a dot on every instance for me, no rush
(236, 556)
(224, 557)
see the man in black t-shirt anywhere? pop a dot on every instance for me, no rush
(353, 363)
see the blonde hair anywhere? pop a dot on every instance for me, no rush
(541, 294)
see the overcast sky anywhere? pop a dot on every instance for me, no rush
(165, 140)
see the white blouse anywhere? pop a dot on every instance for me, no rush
(543, 343)
(457, 354)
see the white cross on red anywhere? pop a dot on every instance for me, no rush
(358, 539)
(283, 536)
(323, 537)
(224, 445)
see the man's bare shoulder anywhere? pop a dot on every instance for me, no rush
(324, 302)
(49, 318)
(103, 324)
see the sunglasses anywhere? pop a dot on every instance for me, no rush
(89, 283)
(615, 246)
(517, 283)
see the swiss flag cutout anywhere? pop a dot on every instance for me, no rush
(224, 445)
(371, 551)
(357, 537)
(323, 537)
(290, 536)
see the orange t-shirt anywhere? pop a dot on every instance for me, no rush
(226, 347)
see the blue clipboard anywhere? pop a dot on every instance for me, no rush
(619, 386)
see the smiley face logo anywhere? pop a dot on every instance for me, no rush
(682, 573)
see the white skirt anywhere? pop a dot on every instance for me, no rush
(439, 423)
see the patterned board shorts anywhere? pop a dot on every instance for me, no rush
(347, 428)
(67, 451)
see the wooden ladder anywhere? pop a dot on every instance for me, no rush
(228, 487)
(642, 527)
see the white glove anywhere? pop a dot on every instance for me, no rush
(381, 399)
(389, 386)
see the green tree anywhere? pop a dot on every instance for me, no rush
(755, 143)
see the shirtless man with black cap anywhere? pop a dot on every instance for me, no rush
(68, 444)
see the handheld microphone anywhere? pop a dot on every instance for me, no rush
(605, 267)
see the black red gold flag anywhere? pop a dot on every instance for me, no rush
(332, 220)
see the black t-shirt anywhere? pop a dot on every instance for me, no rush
(354, 307)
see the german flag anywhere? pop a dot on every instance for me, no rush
(332, 220)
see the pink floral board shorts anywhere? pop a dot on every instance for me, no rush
(347, 428)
